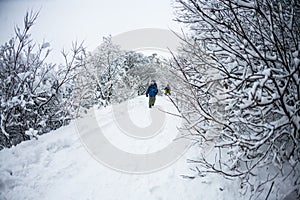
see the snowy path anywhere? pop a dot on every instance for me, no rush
(58, 166)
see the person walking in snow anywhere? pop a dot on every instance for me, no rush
(168, 90)
(152, 92)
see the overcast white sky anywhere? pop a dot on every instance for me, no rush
(62, 21)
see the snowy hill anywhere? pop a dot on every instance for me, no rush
(58, 165)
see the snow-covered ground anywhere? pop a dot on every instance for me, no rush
(58, 166)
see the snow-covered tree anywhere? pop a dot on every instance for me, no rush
(240, 68)
(107, 64)
(33, 93)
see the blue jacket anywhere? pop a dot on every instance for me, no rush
(152, 90)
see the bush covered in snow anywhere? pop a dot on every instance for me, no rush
(240, 69)
(34, 94)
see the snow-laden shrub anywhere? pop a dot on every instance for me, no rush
(34, 94)
(241, 69)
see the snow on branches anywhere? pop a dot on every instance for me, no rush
(241, 67)
(33, 92)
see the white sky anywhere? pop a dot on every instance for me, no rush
(62, 21)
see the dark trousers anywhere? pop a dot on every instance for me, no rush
(151, 101)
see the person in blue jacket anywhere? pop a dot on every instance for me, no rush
(152, 92)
